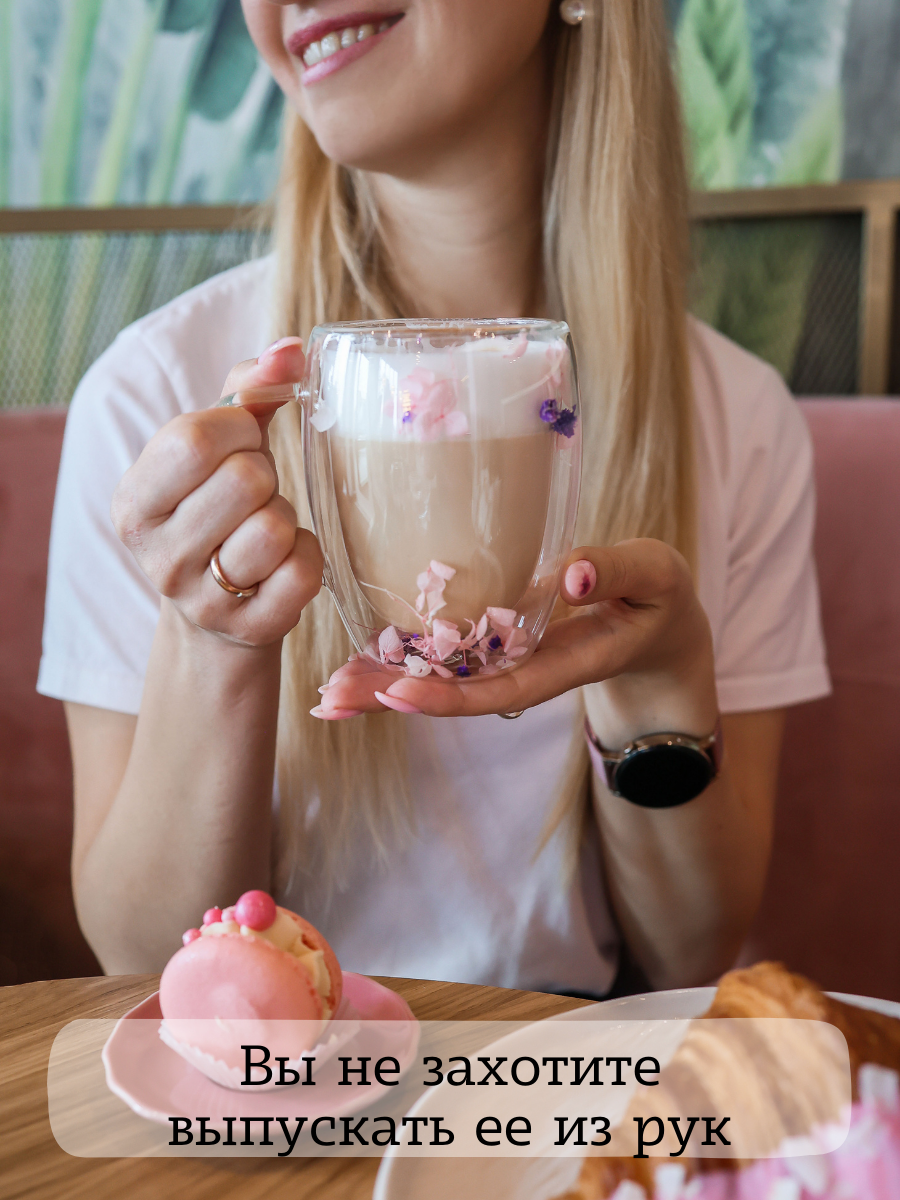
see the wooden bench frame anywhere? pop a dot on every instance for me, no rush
(876, 201)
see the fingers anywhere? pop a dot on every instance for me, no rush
(500, 694)
(259, 544)
(206, 481)
(274, 609)
(178, 459)
(648, 577)
(240, 487)
(269, 377)
(358, 665)
(297, 580)
(572, 653)
(353, 687)
(262, 385)
(639, 571)
(580, 579)
(375, 690)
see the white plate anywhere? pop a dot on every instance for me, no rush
(541, 1178)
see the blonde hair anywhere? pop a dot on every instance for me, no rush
(615, 255)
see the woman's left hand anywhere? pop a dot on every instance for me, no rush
(642, 628)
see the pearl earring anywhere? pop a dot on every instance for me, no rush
(572, 12)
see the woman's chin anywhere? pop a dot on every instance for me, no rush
(381, 148)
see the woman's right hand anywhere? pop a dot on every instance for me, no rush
(207, 481)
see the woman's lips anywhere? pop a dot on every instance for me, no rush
(327, 46)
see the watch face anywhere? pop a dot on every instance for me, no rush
(663, 776)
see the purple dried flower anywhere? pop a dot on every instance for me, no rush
(565, 422)
(495, 643)
(463, 670)
(560, 420)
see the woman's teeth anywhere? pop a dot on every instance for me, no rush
(332, 42)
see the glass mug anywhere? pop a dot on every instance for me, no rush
(443, 463)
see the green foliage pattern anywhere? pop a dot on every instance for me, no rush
(717, 88)
(181, 16)
(760, 83)
(752, 279)
(127, 86)
(227, 66)
(66, 297)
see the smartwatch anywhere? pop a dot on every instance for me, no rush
(660, 770)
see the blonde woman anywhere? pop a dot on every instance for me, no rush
(443, 158)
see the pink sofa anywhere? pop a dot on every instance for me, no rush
(39, 935)
(832, 904)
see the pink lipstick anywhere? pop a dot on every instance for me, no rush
(326, 46)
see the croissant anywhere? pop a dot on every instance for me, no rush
(769, 990)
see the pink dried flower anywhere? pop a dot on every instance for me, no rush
(513, 643)
(475, 634)
(441, 641)
(419, 384)
(446, 639)
(502, 618)
(556, 357)
(417, 667)
(431, 584)
(433, 407)
(390, 648)
(517, 349)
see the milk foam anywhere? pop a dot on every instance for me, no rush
(498, 384)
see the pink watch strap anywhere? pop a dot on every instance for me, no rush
(603, 768)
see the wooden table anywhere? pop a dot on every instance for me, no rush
(33, 1165)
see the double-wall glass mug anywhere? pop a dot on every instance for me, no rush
(443, 462)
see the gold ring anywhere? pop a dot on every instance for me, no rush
(511, 716)
(223, 583)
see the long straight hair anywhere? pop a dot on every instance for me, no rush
(615, 259)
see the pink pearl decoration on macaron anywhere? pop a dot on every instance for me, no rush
(257, 910)
(190, 936)
(228, 914)
(212, 916)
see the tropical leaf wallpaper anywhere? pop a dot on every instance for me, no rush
(762, 91)
(164, 101)
(133, 102)
(765, 86)
(124, 102)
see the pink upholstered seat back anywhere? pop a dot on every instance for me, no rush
(832, 904)
(39, 936)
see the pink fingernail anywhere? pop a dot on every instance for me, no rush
(334, 714)
(323, 689)
(581, 578)
(398, 705)
(276, 346)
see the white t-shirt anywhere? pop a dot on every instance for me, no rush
(466, 900)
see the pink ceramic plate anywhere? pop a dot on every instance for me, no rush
(158, 1084)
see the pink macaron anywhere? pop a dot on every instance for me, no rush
(255, 974)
